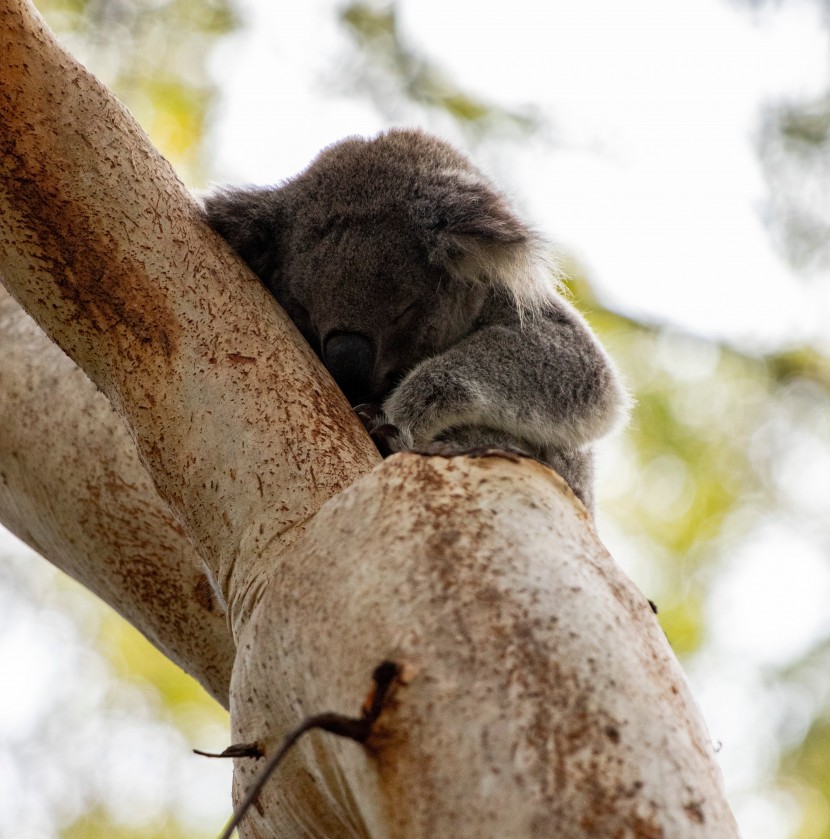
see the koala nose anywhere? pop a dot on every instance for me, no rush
(350, 359)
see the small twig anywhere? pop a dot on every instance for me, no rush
(236, 750)
(355, 728)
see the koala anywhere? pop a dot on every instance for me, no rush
(423, 292)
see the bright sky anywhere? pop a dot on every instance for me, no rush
(652, 180)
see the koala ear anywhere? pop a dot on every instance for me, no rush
(251, 219)
(478, 238)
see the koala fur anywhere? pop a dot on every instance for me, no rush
(421, 290)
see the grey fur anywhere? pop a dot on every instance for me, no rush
(419, 287)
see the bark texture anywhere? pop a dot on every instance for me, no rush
(73, 489)
(104, 247)
(538, 695)
(542, 699)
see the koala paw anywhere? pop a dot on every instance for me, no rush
(385, 436)
(369, 414)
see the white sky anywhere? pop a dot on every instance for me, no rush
(653, 181)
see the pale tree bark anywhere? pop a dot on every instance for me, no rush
(537, 695)
(73, 489)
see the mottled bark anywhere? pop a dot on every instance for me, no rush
(72, 487)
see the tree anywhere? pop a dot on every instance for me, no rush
(535, 693)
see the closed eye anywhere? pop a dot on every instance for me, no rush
(400, 316)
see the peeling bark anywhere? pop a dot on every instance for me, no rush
(541, 698)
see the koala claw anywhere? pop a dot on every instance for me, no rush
(383, 437)
(368, 414)
(441, 448)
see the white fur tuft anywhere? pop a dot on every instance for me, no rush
(527, 271)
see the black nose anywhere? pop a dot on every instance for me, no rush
(350, 359)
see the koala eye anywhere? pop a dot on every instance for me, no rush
(302, 320)
(402, 314)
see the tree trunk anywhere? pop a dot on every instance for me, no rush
(537, 695)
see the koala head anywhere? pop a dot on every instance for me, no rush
(383, 252)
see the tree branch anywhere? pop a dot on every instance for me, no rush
(104, 247)
(73, 489)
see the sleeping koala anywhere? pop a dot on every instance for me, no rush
(422, 291)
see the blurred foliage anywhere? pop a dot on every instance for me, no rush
(153, 54)
(794, 144)
(804, 766)
(705, 442)
(101, 725)
(135, 660)
(97, 824)
(392, 73)
(804, 770)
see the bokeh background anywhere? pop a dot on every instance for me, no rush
(678, 154)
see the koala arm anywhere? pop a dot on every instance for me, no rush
(544, 380)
